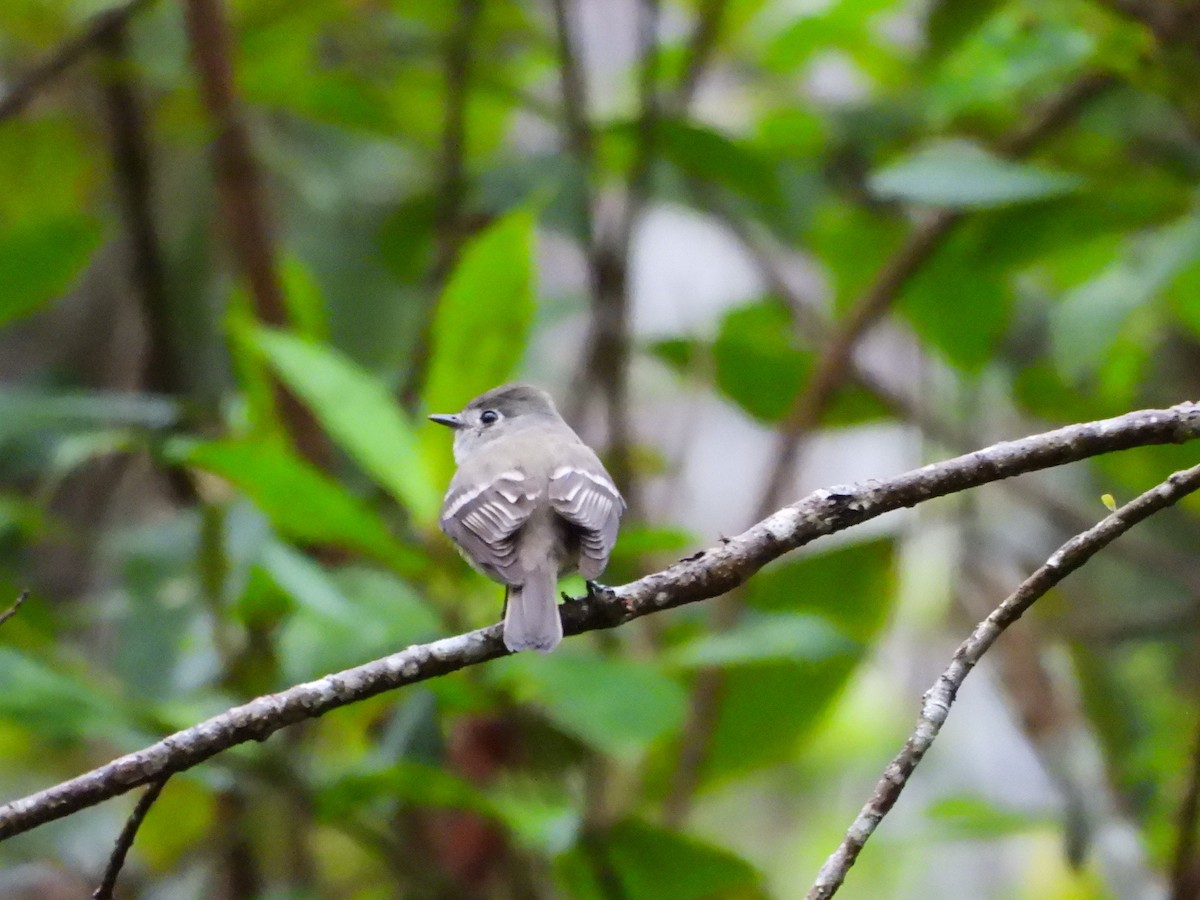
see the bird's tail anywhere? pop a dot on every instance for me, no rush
(531, 620)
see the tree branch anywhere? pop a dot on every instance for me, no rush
(12, 610)
(706, 574)
(125, 839)
(938, 699)
(67, 54)
(834, 367)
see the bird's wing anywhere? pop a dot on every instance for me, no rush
(583, 493)
(483, 519)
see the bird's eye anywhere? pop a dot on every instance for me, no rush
(488, 416)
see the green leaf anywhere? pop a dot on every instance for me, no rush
(1089, 322)
(481, 325)
(26, 410)
(962, 175)
(657, 864)
(39, 261)
(758, 364)
(850, 588)
(772, 637)
(407, 781)
(299, 499)
(950, 21)
(406, 236)
(56, 704)
(305, 305)
(342, 618)
(974, 818)
(615, 705)
(959, 303)
(715, 158)
(359, 412)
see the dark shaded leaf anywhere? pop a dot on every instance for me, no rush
(39, 261)
(618, 706)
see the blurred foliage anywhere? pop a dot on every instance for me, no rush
(185, 551)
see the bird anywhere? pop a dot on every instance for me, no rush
(528, 503)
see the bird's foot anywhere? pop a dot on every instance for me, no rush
(595, 591)
(598, 591)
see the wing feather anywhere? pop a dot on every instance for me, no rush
(585, 496)
(483, 520)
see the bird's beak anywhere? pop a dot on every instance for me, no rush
(454, 421)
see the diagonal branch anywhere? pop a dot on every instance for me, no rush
(25, 89)
(938, 699)
(12, 610)
(125, 839)
(706, 574)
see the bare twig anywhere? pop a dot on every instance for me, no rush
(706, 574)
(67, 54)
(12, 610)
(125, 840)
(938, 699)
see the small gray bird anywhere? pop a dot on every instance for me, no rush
(530, 502)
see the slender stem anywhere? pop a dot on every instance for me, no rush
(939, 698)
(12, 610)
(125, 840)
(27, 87)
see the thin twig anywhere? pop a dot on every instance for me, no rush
(938, 699)
(12, 610)
(706, 574)
(26, 88)
(125, 840)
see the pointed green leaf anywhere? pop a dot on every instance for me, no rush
(648, 861)
(38, 262)
(618, 706)
(358, 412)
(299, 499)
(481, 325)
(962, 175)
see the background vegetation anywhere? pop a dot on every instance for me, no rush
(754, 247)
